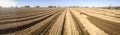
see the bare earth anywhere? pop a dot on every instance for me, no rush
(59, 21)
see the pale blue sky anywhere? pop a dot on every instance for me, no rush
(96, 3)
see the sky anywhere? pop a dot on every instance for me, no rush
(89, 3)
(6, 3)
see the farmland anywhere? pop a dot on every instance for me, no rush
(59, 21)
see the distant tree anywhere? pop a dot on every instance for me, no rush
(37, 6)
(73, 6)
(86, 7)
(93, 7)
(27, 6)
(58, 6)
(109, 7)
(0, 6)
(11, 7)
(51, 6)
(118, 7)
(16, 7)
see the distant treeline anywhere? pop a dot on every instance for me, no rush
(44, 7)
(110, 7)
(30, 7)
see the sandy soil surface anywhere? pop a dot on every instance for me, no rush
(59, 21)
